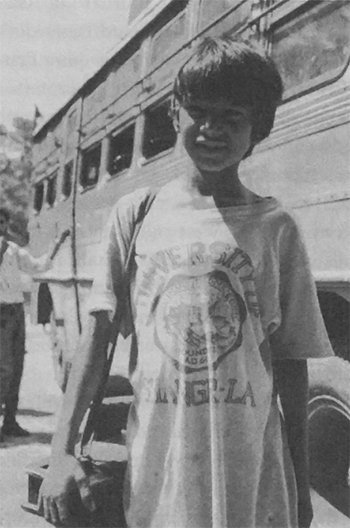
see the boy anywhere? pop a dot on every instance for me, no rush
(221, 290)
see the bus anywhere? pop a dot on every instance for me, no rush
(115, 135)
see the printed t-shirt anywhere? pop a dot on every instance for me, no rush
(216, 294)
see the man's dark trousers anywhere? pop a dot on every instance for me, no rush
(12, 351)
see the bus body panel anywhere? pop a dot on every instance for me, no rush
(305, 177)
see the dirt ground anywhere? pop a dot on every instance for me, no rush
(39, 400)
(39, 403)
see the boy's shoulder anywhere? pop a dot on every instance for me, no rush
(130, 203)
(282, 215)
(286, 230)
(279, 223)
(133, 198)
(127, 207)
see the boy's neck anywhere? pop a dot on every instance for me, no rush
(224, 187)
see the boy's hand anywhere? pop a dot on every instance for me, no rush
(64, 477)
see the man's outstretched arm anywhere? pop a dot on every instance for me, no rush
(65, 471)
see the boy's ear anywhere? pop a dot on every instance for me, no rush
(249, 151)
(174, 114)
(176, 124)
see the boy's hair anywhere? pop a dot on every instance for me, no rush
(236, 71)
(5, 213)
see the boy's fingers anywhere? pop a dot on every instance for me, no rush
(55, 518)
(63, 514)
(40, 506)
(46, 510)
(50, 511)
(55, 511)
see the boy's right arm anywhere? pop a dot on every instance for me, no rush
(65, 471)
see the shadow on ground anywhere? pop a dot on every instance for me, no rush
(34, 438)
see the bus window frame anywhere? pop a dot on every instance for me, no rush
(154, 104)
(43, 182)
(287, 13)
(65, 196)
(87, 187)
(113, 135)
(54, 175)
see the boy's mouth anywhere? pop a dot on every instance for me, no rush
(211, 145)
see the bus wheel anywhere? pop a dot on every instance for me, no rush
(60, 364)
(329, 431)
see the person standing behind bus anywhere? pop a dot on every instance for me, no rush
(225, 313)
(14, 259)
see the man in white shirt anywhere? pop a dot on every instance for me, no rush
(13, 260)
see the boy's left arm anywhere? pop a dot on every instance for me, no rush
(292, 385)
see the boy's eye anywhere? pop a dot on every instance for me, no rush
(234, 118)
(196, 113)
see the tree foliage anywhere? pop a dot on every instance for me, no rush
(15, 174)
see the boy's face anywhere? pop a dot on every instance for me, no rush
(216, 135)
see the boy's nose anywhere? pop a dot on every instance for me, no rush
(212, 125)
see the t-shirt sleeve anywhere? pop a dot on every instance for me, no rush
(301, 333)
(108, 280)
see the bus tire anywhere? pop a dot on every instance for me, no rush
(60, 365)
(329, 430)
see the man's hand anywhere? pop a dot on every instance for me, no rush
(65, 477)
(58, 243)
(63, 236)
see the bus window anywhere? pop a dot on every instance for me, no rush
(210, 11)
(123, 76)
(159, 134)
(90, 166)
(136, 8)
(313, 47)
(71, 122)
(121, 150)
(38, 196)
(51, 190)
(67, 179)
(168, 39)
(71, 133)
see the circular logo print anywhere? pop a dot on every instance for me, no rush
(199, 320)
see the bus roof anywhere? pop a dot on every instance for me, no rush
(144, 12)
